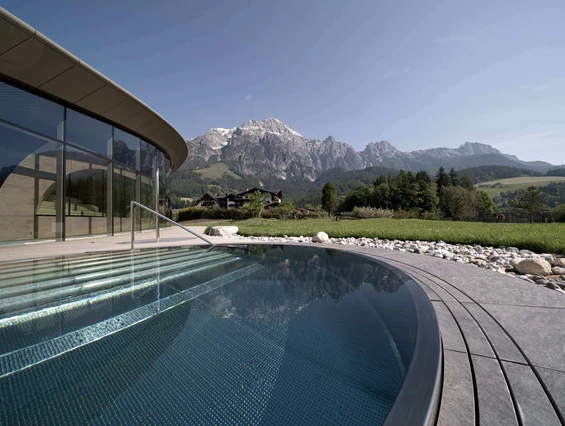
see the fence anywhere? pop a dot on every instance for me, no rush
(512, 217)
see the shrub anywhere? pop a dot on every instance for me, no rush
(194, 213)
(431, 216)
(371, 212)
(406, 214)
(559, 213)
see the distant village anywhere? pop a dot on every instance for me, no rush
(272, 198)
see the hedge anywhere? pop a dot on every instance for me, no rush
(193, 213)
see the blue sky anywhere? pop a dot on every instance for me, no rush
(417, 73)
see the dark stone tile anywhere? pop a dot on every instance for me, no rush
(476, 340)
(450, 334)
(457, 405)
(495, 403)
(507, 290)
(535, 408)
(540, 332)
(429, 292)
(505, 348)
(555, 383)
(440, 292)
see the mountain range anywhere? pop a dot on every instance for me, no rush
(271, 150)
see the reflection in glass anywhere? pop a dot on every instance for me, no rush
(147, 198)
(30, 111)
(86, 198)
(126, 149)
(149, 158)
(88, 132)
(28, 193)
(124, 188)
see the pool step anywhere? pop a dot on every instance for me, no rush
(34, 292)
(30, 283)
(26, 356)
(66, 265)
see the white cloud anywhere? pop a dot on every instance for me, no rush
(388, 74)
(248, 98)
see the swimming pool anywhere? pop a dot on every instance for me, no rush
(254, 335)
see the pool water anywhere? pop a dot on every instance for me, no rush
(252, 335)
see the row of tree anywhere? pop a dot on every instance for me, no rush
(449, 195)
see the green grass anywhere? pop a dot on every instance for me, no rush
(546, 238)
(513, 184)
(216, 171)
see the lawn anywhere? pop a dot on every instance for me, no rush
(546, 238)
(216, 171)
(495, 187)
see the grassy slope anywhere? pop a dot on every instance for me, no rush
(512, 184)
(536, 237)
(216, 171)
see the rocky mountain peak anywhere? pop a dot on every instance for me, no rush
(271, 125)
(476, 148)
(270, 148)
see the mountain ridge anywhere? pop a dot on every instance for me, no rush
(272, 149)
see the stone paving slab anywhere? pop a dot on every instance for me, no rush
(555, 382)
(495, 403)
(450, 332)
(535, 408)
(457, 405)
(476, 340)
(504, 347)
(506, 290)
(538, 331)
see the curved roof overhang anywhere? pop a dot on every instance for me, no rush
(28, 57)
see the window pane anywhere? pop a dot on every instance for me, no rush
(28, 188)
(148, 158)
(30, 111)
(126, 149)
(89, 132)
(147, 199)
(124, 188)
(86, 198)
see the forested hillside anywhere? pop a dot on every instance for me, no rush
(488, 173)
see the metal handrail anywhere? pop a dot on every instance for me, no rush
(132, 208)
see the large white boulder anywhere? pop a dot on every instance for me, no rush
(320, 237)
(534, 266)
(223, 231)
(559, 262)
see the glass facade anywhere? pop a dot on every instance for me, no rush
(65, 174)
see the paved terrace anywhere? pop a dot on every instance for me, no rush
(503, 338)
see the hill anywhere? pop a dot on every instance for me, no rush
(495, 187)
(488, 173)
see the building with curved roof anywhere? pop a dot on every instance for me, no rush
(75, 147)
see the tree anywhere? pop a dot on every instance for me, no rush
(530, 201)
(256, 203)
(453, 178)
(329, 197)
(442, 179)
(457, 202)
(484, 202)
(423, 176)
(286, 207)
(467, 182)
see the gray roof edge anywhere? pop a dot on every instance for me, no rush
(180, 144)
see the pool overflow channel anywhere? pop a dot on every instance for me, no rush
(51, 307)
